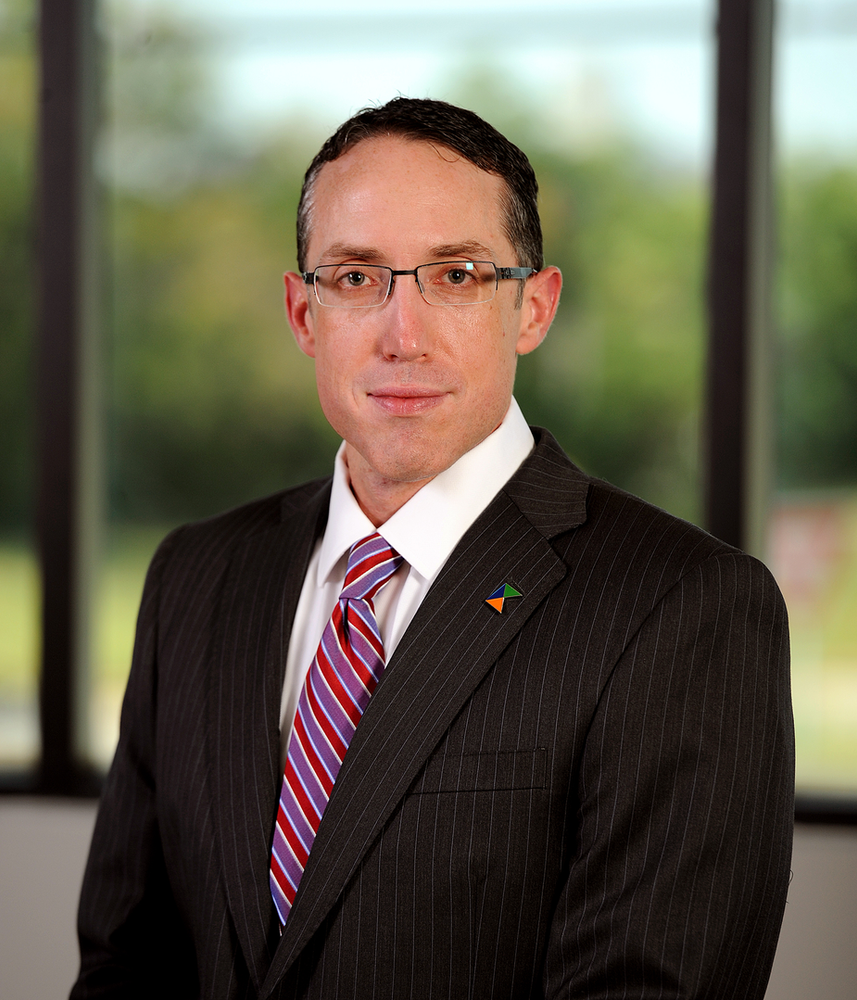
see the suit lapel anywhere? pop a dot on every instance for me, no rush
(451, 644)
(255, 615)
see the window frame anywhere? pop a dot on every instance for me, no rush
(737, 438)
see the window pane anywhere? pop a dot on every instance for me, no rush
(215, 111)
(18, 574)
(814, 520)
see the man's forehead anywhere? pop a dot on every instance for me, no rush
(424, 160)
(391, 177)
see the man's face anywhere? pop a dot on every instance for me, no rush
(411, 386)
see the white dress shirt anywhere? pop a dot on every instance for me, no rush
(424, 531)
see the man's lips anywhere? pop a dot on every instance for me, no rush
(407, 400)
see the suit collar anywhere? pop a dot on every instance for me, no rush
(549, 489)
(426, 529)
(451, 644)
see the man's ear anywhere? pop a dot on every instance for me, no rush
(541, 298)
(298, 312)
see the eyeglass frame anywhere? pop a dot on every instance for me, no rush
(500, 274)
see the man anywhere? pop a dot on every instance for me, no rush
(573, 777)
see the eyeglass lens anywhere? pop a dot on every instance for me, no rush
(444, 283)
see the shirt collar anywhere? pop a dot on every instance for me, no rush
(426, 529)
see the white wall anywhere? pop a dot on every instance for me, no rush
(43, 848)
(817, 954)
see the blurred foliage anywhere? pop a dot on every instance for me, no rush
(17, 117)
(619, 378)
(817, 307)
(212, 403)
(208, 400)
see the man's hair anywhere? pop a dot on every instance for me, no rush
(456, 129)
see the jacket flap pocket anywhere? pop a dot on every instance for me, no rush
(483, 772)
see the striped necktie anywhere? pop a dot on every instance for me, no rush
(347, 666)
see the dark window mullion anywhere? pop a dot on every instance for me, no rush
(65, 336)
(739, 267)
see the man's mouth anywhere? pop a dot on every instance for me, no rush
(403, 401)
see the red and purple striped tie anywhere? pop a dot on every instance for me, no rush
(346, 668)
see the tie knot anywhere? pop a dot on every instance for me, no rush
(371, 563)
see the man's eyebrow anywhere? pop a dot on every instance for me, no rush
(467, 250)
(470, 250)
(349, 251)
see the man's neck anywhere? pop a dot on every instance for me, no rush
(380, 498)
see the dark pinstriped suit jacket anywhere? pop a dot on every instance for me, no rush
(588, 796)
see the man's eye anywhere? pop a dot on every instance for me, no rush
(456, 275)
(354, 279)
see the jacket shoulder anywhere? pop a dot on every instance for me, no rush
(623, 529)
(611, 508)
(210, 541)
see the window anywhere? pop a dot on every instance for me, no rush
(813, 522)
(212, 117)
(19, 591)
(211, 114)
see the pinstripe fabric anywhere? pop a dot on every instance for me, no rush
(589, 796)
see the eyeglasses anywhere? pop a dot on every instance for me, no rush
(446, 283)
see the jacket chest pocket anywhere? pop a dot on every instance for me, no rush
(483, 772)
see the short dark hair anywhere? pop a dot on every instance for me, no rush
(457, 129)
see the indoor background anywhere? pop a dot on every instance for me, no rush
(186, 395)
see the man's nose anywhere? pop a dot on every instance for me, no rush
(408, 321)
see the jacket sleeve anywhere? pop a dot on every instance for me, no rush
(129, 926)
(678, 881)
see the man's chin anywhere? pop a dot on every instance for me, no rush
(405, 473)
(409, 466)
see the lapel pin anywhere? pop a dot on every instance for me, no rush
(501, 595)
